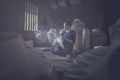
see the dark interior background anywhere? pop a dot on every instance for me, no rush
(94, 13)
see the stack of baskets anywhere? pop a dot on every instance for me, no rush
(81, 37)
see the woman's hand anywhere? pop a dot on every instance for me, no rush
(67, 39)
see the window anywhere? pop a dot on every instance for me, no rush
(31, 16)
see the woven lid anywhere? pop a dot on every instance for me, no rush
(19, 63)
(115, 30)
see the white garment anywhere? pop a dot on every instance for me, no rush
(59, 42)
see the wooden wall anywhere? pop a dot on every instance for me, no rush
(11, 15)
(92, 13)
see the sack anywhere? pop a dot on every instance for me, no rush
(51, 34)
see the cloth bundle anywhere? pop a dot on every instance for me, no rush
(59, 42)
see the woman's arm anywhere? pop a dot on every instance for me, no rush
(68, 40)
(72, 38)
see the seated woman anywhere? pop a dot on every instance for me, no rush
(67, 38)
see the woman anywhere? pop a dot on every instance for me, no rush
(68, 38)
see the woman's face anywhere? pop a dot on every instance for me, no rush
(68, 28)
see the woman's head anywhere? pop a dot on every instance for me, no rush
(67, 26)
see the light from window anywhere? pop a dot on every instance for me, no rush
(31, 16)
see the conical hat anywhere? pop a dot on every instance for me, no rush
(19, 63)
